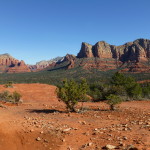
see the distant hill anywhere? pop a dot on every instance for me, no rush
(133, 57)
(8, 64)
(45, 63)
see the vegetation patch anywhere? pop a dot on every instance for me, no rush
(14, 97)
(71, 92)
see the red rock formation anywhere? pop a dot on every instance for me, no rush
(137, 50)
(12, 65)
(42, 65)
(102, 50)
(20, 67)
(112, 57)
(69, 57)
(86, 51)
(71, 60)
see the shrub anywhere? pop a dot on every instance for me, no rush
(16, 96)
(5, 96)
(71, 92)
(113, 100)
(8, 97)
(9, 84)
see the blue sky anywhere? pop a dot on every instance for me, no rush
(34, 30)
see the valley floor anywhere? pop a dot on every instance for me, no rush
(41, 123)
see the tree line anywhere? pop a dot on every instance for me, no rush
(120, 88)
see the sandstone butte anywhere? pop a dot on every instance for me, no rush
(130, 57)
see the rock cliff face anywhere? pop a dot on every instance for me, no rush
(106, 56)
(86, 50)
(102, 50)
(12, 65)
(71, 60)
(132, 51)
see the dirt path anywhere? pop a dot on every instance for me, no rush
(41, 123)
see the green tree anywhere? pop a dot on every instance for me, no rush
(71, 92)
(95, 91)
(119, 79)
(113, 100)
(146, 90)
(132, 88)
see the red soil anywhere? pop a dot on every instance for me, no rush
(41, 123)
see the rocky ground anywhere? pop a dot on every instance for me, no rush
(42, 123)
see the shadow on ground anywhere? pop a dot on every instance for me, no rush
(46, 111)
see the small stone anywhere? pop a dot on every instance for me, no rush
(75, 128)
(83, 122)
(46, 140)
(109, 147)
(125, 129)
(69, 148)
(148, 123)
(131, 147)
(89, 144)
(121, 143)
(66, 130)
(125, 138)
(109, 139)
(38, 139)
(63, 140)
(31, 130)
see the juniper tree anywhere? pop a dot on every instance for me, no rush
(71, 92)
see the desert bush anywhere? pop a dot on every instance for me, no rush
(9, 84)
(5, 96)
(8, 97)
(16, 96)
(113, 100)
(71, 92)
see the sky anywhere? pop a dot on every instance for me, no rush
(35, 30)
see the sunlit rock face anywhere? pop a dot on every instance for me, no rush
(11, 65)
(135, 56)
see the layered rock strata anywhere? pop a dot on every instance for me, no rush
(134, 56)
(11, 65)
